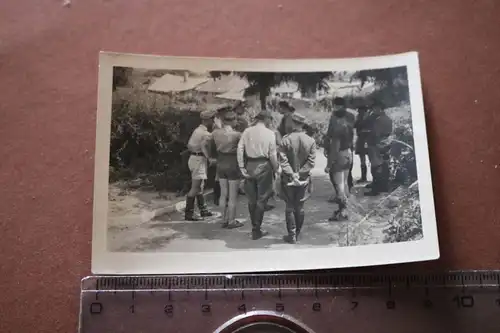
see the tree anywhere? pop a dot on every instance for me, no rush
(261, 83)
(382, 76)
(120, 76)
(392, 83)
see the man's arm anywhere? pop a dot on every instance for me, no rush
(273, 153)
(283, 159)
(241, 150)
(305, 170)
(206, 144)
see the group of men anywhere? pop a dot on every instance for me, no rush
(373, 128)
(257, 154)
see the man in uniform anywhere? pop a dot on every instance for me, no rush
(378, 140)
(242, 123)
(338, 148)
(257, 160)
(297, 155)
(198, 162)
(242, 119)
(362, 131)
(286, 125)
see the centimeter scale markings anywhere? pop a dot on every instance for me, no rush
(449, 302)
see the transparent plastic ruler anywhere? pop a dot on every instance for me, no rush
(320, 303)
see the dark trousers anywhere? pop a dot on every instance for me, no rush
(258, 188)
(294, 197)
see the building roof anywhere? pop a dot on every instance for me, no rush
(175, 83)
(285, 87)
(233, 95)
(223, 84)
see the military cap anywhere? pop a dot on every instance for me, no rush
(223, 109)
(229, 116)
(299, 118)
(264, 114)
(209, 114)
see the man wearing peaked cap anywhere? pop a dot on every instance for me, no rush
(286, 125)
(200, 157)
(297, 156)
(207, 115)
(258, 161)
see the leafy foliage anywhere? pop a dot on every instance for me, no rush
(147, 138)
(406, 224)
(261, 83)
(403, 162)
(120, 76)
(382, 76)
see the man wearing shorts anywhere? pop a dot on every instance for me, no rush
(198, 162)
(338, 148)
(226, 142)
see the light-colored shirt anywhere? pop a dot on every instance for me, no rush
(217, 122)
(226, 140)
(257, 141)
(198, 142)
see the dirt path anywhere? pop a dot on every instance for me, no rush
(171, 233)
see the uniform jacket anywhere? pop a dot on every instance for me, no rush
(380, 128)
(297, 154)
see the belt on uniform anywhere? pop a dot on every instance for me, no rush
(261, 158)
(196, 154)
(227, 153)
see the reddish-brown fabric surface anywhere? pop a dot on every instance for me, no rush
(48, 75)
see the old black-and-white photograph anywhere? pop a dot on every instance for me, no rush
(222, 165)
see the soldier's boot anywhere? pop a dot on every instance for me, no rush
(217, 193)
(257, 232)
(189, 211)
(376, 187)
(299, 222)
(363, 174)
(202, 206)
(291, 228)
(385, 175)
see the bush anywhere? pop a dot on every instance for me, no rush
(148, 138)
(406, 224)
(402, 151)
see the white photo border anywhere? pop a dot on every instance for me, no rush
(106, 262)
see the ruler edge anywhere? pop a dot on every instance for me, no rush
(367, 279)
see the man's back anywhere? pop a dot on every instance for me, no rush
(341, 129)
(226, 140)
(381, 128)
(257, 141)
(198, 138)
(300, 151)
